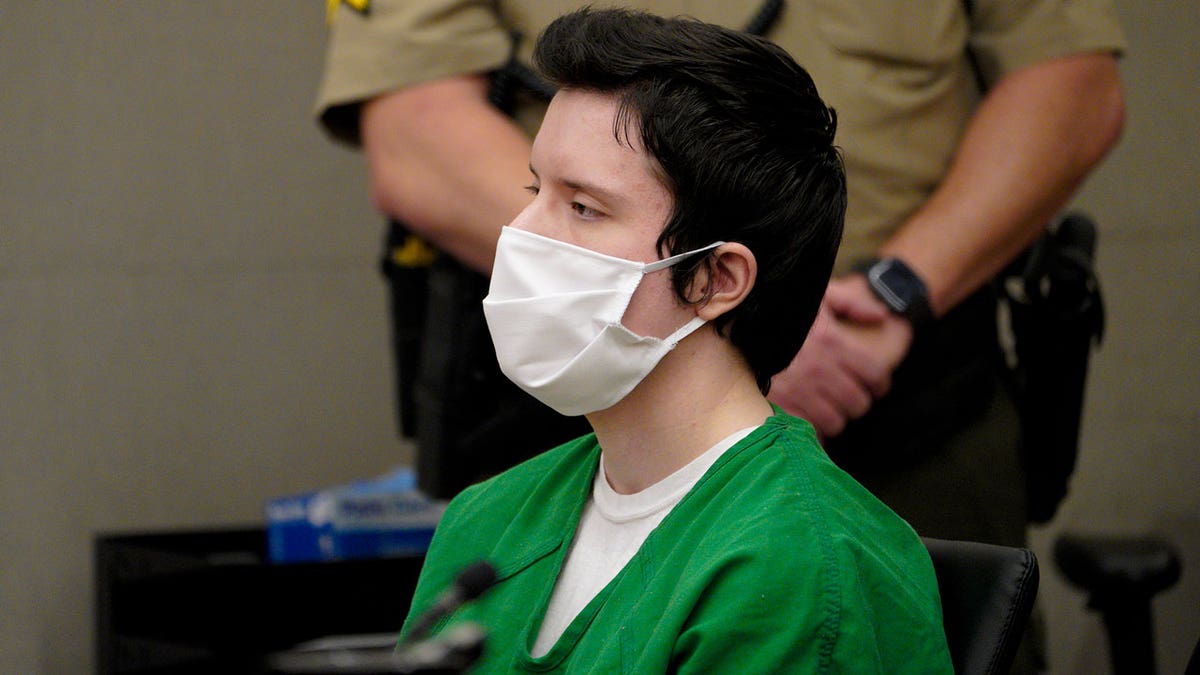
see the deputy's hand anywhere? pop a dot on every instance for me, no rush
(847, 361)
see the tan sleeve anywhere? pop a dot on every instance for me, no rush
(1007, 35)
(398, 43)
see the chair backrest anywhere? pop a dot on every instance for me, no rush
(987, 596)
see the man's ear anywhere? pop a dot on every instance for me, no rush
(732, 273)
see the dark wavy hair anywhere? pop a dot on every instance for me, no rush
(742, 141)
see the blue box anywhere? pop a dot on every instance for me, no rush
(386, 516)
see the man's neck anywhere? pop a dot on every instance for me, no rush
(696, 396)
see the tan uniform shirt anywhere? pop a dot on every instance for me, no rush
(896, 72)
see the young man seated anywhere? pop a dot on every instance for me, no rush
(687, 206)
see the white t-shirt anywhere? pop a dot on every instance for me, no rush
(611, 529)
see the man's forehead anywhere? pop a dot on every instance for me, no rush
(578, 147)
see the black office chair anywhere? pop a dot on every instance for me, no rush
(987, 596)
(1121, 575)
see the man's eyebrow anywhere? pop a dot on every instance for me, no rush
(603, 194)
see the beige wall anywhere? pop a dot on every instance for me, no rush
(191, 323)
(190, 317)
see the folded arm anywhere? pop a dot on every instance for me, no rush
(446, 163)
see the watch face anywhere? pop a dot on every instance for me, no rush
(892, 285)
(900, 289)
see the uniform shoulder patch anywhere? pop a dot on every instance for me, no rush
(361, 6)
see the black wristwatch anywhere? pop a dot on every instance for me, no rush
(899, 288)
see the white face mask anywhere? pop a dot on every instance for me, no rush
(554, 311)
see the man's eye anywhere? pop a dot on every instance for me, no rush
(532, 189)
(584, 211)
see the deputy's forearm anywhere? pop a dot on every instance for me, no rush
(1032, 142)
(447, 164)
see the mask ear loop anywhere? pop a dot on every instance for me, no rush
(673, 340)
(696, 322)
(667, 262)
(648, 268)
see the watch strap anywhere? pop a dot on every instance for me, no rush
(898, 287)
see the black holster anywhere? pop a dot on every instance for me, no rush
(1055, 314)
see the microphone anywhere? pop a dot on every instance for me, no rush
(468, 585)
(452, 652)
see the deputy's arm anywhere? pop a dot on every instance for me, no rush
(447, 164)
(1030, 144)
(1035, 137)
